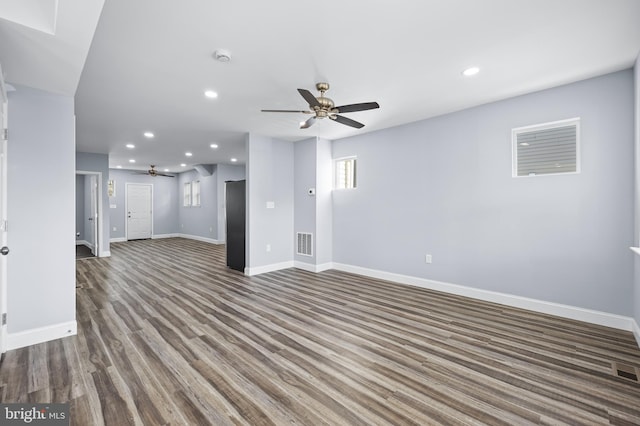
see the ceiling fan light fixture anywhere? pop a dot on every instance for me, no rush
(222, 55)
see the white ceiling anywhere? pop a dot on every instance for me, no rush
(151, 61)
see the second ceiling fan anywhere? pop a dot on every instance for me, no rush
(323, 107)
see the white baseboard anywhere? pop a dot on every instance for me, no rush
(106, 253)
(565, 311)
(159, 236)
(199, 238)
(40, 335)
(82, 243)
(636, 331)
(311, 267)
(118, 240)
(268, 268)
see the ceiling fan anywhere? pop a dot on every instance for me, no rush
(153, 172)
(322, 107)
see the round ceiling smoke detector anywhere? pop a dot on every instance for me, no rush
(222, 55)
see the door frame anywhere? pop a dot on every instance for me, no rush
(4, 124)
(97, 220)
(126, 207)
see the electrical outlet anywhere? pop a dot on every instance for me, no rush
(115, 229)
(428, 258)
(211, 229)
(268, 247)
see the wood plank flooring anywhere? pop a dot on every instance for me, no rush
(174, 337)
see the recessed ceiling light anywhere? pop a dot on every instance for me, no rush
(166, 170)
(130, 145)
(214, 145)
(183, 165)
(188, 154)
(524, 144)
(471, 71)
(118, 167)
(211, 94)
(132, 161)
(233, 160)
(148, 135)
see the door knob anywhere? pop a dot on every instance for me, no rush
(4, 250)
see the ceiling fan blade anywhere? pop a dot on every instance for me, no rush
(347, 121)
(286, 110)
(357, 107)
(162, 174)
(308, 96)
(308, 123)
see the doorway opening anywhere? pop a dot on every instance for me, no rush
(88, 214)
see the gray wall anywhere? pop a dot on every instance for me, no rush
(313, 169)
(41, 210)
(90, 162)
(269, 178)
(201, 221)
(80, 206)
(324, 202)
(165, 202)
(305, 206)
(443, 186)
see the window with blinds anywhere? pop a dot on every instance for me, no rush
(345, 173)
(195, 193)
(549, 148)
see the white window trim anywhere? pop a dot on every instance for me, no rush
(355, 173)
(543, 126)
(186, 197)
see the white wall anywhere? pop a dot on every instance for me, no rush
(41, 214)
(443, 186)
(269, 179)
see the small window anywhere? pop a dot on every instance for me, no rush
(187, 194)
(195, 193)
(549, 148)
(345, 173)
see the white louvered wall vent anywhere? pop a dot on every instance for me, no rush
(548, 148)
(305, 244)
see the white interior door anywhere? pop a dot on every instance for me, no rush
(3, 210)
(139, 214)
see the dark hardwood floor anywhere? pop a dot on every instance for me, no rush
(168, 335)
